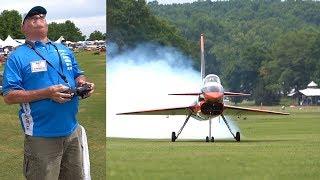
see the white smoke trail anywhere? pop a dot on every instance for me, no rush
(141, 79)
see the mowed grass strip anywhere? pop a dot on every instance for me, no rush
(91, 115)
(273, 147)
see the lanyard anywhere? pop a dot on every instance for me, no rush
(63, 77)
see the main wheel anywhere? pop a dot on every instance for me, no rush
(212, 139)
(207, 139)
(238, 136)
(173, 137)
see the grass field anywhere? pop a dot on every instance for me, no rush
(91, 116)
(286, 147)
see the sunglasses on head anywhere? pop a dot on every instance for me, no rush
(37, 16)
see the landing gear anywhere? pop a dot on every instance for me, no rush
(212, 139)
(173, 134)
(237, 136)
(209, 140)
(173, 137)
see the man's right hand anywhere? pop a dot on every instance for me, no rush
(56, 93)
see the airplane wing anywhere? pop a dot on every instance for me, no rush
(167, 111)
(187, 94)
(239, 111)
(235, 94)
(198, 93)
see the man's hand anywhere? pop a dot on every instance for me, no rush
(90, 92)
(81, 80)
(56, 93)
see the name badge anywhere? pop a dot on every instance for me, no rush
(38, 66)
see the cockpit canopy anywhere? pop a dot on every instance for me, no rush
(211, 78)
(211, 83)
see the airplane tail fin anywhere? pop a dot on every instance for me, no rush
(203, 63)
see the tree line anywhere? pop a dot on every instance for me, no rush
(266, 48)
(130, 22)
(10, 24)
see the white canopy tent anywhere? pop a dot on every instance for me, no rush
(99, 41)
(308, 96)
(1, 43)
(312, 84)
(311, 90)
(10, 42)
(61, 38)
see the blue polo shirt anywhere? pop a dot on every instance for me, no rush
(26, 70)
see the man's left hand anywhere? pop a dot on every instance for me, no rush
(81, 80)
(92, 89)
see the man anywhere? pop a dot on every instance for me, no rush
(39, 75)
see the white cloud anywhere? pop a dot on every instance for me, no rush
(87, 24)
(86, 14)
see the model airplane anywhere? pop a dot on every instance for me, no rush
(208, 105)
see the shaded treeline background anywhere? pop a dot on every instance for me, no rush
(266, 48)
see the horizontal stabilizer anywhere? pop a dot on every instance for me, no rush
(235, 94)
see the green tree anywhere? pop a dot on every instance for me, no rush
(293, 55)
(265, 48)
(67, 29)
(10, 24)
(96, 35)
(131, 22)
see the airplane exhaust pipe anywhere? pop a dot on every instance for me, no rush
(212, 109)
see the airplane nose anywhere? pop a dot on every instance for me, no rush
(213, 95)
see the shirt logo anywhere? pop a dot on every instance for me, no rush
(68, 62)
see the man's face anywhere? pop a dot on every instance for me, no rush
(35, 26)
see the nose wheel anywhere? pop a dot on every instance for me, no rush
(212, 139)
(209, 140)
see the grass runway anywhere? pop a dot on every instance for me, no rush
(91, 115)
(274, 147)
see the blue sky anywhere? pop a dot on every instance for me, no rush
(88, 15)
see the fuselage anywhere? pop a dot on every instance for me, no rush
(210, 101)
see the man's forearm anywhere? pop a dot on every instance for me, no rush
(22, 96)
